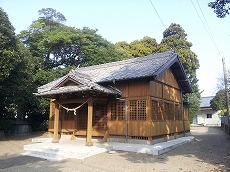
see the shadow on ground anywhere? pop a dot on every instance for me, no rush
(27, 163)
(24, 137)
(11, 161)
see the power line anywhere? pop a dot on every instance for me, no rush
(211, 35)
(158, 14)
(208, 31)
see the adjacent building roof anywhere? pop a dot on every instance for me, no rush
(205, 102)
(142, 67)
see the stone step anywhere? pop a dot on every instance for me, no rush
(45, 155)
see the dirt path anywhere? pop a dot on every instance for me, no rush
(209, 152)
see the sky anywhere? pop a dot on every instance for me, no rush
(129, 20)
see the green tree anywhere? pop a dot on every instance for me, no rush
(174, 37)
(194, 101)
(8, 46)
(16, 83)
(56, 45)
(221, 7)
(219, 102)
(50, 15)
(139, 48)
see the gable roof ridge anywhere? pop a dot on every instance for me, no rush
(164, 66)
(127, 61)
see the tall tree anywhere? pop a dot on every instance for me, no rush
(8, 46)
(16, 82)
(174, 37)
(221, 7)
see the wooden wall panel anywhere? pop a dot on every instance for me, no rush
(137, 89)
(116, 127)
(139, 128)
(133, 89)
(169, 79)
(171, 94)
(166, 92)
(157, 128)
(167, 127)
(68, 125)
(123, 87)
(178, 97)
(155, 89)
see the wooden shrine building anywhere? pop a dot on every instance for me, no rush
(139, 98)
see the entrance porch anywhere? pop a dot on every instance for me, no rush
(79, 117)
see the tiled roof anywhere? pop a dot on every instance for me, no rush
(205, 101)
(85, 84)
(128, 69)
(147, 66)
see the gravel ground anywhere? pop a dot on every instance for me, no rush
(209, 152)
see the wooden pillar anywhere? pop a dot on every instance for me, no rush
(56, 122)
(149, 117)
(89, 123)
(51, 116)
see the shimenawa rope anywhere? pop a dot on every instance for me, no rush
(73, 109)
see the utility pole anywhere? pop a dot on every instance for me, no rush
(227, 97)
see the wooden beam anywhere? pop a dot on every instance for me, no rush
(89, 123)
(78, 100)
(56, 123)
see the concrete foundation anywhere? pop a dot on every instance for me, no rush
(76, 149)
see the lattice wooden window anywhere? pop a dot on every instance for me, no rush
(133, 109)
(138, 109)
(117, 111)
(113, 111)
(141, 109)
(121, 110)
(171, 111)
(166, 110)
(161, 110)
(177, 112)
(154, 110)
